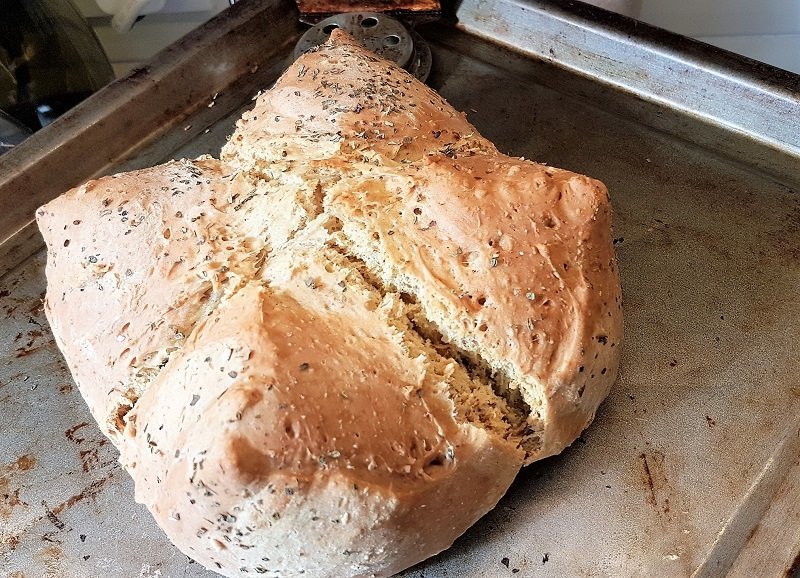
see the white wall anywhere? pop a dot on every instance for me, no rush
(151, 34)
(767, 30)
(710, 18)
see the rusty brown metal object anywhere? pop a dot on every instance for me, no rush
(410, 12)
(339, 6)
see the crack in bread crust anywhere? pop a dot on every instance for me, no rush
(515, 411)
(145, 375)
(527, 435)
(524, 426)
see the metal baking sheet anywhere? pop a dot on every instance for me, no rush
(691, 468)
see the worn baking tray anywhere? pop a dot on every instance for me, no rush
(691, 467)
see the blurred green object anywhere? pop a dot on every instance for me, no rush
(50, 60)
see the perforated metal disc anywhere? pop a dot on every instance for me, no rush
(379, 33)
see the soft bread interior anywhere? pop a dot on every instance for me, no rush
(484, 395)
(450, 331)
(475, 396)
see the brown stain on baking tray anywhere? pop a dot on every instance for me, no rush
(12, 542)
(52, 514)
(657, 488)
(9, 499)
(50, 557)
(23, 352)
(90, 491)
(34, 342)
(21, 464)
(90, 458)
(656, 475)
(70, 433)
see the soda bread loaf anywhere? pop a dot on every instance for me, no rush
(329, 353)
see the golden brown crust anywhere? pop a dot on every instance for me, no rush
(281, 417)
(130, 270)
(276, 343)
(343, 102)
(512, 260)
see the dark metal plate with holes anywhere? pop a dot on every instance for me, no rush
(691, 467)
(382, 34)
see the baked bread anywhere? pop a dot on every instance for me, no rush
(329, 353)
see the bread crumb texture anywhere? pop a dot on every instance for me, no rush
(330, 352)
